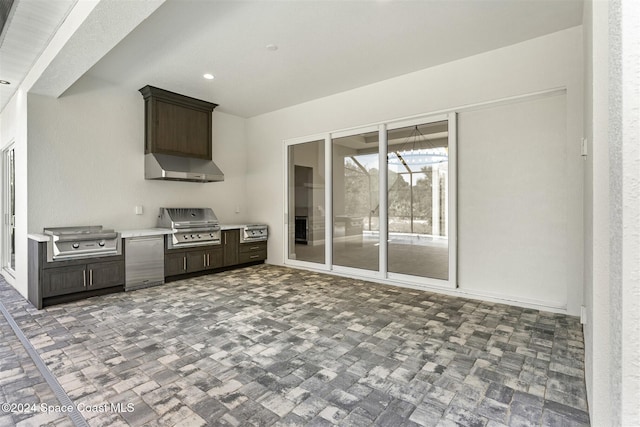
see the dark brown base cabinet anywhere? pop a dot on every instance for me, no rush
(230, 253)
(62, 281)
(231, 246)
(191, 261)
(251, 252)
(80, 278)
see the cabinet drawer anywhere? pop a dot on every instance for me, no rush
(252, 256)
(253, 247)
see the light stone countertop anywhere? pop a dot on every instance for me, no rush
(125, 234)
(230, 226)
(233, 226)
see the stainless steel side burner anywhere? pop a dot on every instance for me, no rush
(81, 242)
(254, 233)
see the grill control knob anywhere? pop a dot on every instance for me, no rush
(185, 237)
(75, 245)
(101, 243)
(199, 236)
(192, 236)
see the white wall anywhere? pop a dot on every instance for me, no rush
(624, 209)
(512, 201)
(549, 62)
(86, 162)
(596, 211)
(612, 211)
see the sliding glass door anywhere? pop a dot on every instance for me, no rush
(384, 202)
(417, 162)
(356, 205)
(306, 209)
(9, 211)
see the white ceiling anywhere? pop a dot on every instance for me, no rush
(325, 47)
(31, 25)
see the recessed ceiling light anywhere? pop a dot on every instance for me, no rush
(4, 82)
(272, 47)
(208, 76)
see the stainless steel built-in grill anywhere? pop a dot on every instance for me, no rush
(191, 226)
(81, 242)
(254, 233)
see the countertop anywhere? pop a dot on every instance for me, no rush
(234, 226)
(125, 234)
(230, 226)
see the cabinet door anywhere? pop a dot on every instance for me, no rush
(105, 274)
(231, 245)
(196, 261)
(175, 263)
(63, 280)
(215, 258)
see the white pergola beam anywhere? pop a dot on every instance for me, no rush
(90, 31)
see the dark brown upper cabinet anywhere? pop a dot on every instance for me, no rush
(176, 124)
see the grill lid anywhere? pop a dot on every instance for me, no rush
(187, 218)
(92, 232)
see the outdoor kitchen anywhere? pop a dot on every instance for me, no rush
(75, 262)
(71, 263)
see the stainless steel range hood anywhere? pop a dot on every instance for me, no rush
(177, 168)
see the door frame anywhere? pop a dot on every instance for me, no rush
(8, 220)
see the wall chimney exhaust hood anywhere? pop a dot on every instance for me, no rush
(178, 137)
(176, 168)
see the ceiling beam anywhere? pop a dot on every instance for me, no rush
(92, 29)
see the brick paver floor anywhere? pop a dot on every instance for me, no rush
(30, 400)
(269, 345)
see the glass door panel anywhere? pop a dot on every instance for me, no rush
(9, 211)
(356, 206)
(418, 163)
(307, 202)
(12, 213)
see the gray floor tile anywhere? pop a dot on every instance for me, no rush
(269, 345)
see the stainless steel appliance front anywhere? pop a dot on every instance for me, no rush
(144, 262)
(81, 242)
(254, 233)
(191, 227)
